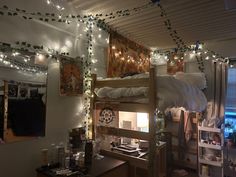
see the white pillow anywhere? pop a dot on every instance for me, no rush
(194, 79)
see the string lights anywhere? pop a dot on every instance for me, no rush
(27, 57)
(56, 5)
(193, 52)
(99, 20)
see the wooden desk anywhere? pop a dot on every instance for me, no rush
(106, 167)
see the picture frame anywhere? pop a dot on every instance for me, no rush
(71, 77)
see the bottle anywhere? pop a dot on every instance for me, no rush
(61, 155)
(205, 170)
(88, 153)
(52, 155)
(44, 153)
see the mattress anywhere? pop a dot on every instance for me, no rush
(171, 92)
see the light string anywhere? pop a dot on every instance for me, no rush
(100, 20)
(56, 5)
(87, 78)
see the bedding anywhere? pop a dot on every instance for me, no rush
(171, 92)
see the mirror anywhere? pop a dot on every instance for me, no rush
(23, 76)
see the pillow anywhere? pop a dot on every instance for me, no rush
(194, 79)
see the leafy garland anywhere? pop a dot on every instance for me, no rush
(172, 32)
(47, 17)
(100, 20)
(28, 50)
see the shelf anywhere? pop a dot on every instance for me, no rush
(211, 146)
(123, 132)
(209, 129)
(212, 163)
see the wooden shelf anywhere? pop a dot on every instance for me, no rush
(123, 132)
(210, 129)
(212, 163)
(211, 146)
(139, 82)
(126, 106)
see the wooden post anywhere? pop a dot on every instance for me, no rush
(92, 112)
(5, 109)
(152, 123)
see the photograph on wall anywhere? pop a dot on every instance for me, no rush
(34, 92)
(1, 87)
(23, 91)
(71, 77)
(12, 90)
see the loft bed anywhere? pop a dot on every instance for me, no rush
(159, 92)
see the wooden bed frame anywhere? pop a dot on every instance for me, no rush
(149, 108)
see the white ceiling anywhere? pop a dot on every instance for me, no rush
(203, 20)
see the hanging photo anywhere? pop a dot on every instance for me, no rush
(23, 91)
(12, 90)
(71, 76)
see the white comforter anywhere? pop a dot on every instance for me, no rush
(171, 92)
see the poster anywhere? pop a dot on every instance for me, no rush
(71, 77)
(126, 57)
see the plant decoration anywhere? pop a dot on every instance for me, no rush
(101, 21)
(9, 52)
(98, 19)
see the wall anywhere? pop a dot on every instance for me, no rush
(20, 159)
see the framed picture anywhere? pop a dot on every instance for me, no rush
(13, 90)
(23, 91)
(71, 77)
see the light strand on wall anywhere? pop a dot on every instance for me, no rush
(87, 78)
(27, 57)
(11, 63)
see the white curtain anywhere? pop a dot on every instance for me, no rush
(219, 88)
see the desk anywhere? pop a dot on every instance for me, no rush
(105, 167)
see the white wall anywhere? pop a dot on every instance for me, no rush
(20, 159)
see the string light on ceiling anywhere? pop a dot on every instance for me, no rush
(56, 5)
(194, 52)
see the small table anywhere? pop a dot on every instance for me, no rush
(105, 167)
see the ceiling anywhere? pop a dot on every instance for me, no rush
(203, 20)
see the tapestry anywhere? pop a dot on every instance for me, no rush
(71, 77)
(126, 57)
(107, 114)
(175, 63)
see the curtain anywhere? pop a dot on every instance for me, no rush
(220, 70)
